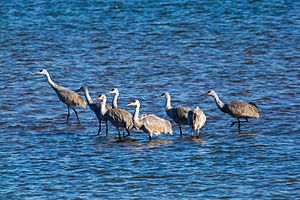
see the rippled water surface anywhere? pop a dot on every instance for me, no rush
(248, 50)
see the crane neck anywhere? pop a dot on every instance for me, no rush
(50, 80)
(103, 108)
(115, 100)
(136, 120)
(168, 103)
(218, 102)
(87, 96)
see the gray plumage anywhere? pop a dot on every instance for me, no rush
(179, 114)
(196, 119)
(96, 108)
(120, 118)
(148, 123)
(236, 109)
(67, 96)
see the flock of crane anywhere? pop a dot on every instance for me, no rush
(148, 123)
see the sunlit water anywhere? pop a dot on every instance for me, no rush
(248, 50)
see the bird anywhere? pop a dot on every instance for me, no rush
(96, 108)
(115, 102)
(179, 114)
(67, 96)
(236, 109)
(120, 118)
(148, 123)
(196, 119)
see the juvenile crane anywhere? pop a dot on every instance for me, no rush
(196, 119)
(150, 124)
(67, 96)
(179, 114)
(236, 109)
(96, 108)
(120, 118)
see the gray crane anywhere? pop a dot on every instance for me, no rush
(120, 118)
(150, 124)
(67, 96)
(179, 114)
(96, 108)
(236, 109)
(196, 119)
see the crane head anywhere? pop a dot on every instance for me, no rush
(42, 71)
(83, 88)
(164, 95)
(210, 93)
(101, 97)
(134, 102)
(113, 91)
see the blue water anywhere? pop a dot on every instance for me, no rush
(246, 50)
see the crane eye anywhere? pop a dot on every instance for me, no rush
(41, 70)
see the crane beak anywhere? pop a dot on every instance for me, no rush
(36, 73)
(130, 104)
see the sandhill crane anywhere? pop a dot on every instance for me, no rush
(196, 119)
(67, 96)
(236, 109)
(96, 108)
(120, 118)
(179, 114)
(150, 124)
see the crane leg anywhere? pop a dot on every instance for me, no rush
(180, 130)
(198, 133)
(119, 134)
(99, 130)
(128, 133)
(106, 127)
(239, 122)
(150, 138)
(76, 115)
(68, 115)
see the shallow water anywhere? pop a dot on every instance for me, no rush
(247, 50)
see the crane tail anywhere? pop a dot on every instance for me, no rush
(256, 111)
(82, 102)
